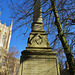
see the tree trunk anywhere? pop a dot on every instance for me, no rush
(63, 40)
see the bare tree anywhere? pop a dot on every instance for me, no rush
(1, 2)
(11, 61)
(59, 22)
(8, 61)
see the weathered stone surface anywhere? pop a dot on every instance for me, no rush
(37, 16)
(38, 39)
(39, 63)
(5, 36)
(38, 59)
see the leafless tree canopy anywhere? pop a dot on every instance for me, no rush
(22, 13)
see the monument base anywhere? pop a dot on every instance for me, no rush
(38, 62)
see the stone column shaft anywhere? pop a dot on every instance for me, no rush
(37, 16)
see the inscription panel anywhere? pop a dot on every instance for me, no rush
(39, 67)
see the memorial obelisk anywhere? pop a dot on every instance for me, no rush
(38, 59)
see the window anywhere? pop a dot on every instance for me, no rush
(4, 38)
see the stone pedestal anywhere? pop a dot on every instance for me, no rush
(38, 59)
(38, 62)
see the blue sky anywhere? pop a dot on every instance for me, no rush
(20, 42)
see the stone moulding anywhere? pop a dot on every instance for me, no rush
(40, 62)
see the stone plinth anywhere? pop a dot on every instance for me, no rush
(38, 62)
(38, 59)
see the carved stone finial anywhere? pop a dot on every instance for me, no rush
(37, 16)
(11, 22)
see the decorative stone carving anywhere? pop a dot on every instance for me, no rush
(38, 59)
(39, 40)
(36, 38)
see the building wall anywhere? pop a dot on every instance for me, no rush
(5, 35)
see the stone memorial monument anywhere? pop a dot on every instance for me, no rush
(38, 59)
